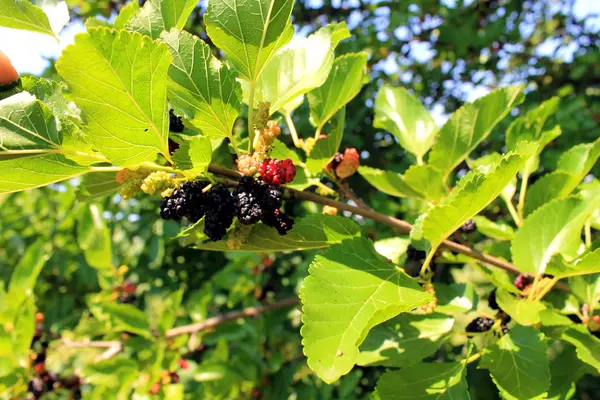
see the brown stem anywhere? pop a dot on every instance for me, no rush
(221, 319)
(112, 347)
(397, 224)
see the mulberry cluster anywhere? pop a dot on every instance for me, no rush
(480, 324)
(175, 123)
(186, 201)
(277, 172)
(254, 200)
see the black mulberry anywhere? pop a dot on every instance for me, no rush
(219, 212)
(175, 123)
(413, 254)
(468, 226)
(493, 303)
(278, 220)
(480, 324)
(186, 201)
(247, 201)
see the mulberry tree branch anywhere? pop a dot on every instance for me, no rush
(398, 224)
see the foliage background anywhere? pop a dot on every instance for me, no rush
(445, 52)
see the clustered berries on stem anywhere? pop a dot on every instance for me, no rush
(277, 172)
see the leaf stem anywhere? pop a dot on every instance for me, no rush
(425, 272)
(588, 233)
(105, 169)
(513, 212)
(251, 117)
(522, 193)
(235, 147)
(318, 132)
(474, 357)
(292, 127)
(546, 289)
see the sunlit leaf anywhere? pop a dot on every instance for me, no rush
(21, 14)
(157, 16)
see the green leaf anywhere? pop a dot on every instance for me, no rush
(27, 127)
(551, 229)
(573, 166)
(472, 194)
(24, 329)
(326, 148)
(157, 16)
(311, 232)
(250, 32)
(344, 82)
(128, 318)
(94, 239)
(21, 14)
(495, 230)
(588, 264)
(470, 125)
(23, 278)
(565, 370)
(522, 311)
(425, 381)
(405, 117)
(586, 288)
(392, 248)
(50, 93)
(194, 154)
(125, 14)
(114, 372)
(126, 112)
(299, 67)
(456, 298)
(405, 340)
(518, 363)
(200, 86)
(529, 128)
(588, 346)
(32, 172)
(388, 182)
(425, 180)
(97, 184)
(350, 289)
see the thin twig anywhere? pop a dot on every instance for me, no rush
(221, 319)
(112, 347)
(397, 224)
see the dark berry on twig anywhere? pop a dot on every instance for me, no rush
(468, 226)
(175, 124)
(480, 324)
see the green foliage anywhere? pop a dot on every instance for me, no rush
(135, 306)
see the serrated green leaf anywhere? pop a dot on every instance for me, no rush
(552, 229)
(194, 154)
(97, 184)
(472, 194)
(405, 340)
(521, 310)
(127, 318)
(94, 239)
(126, 112)
(470, 125)
(587, 264)
(27, 127)
(299, 67)
(32, 172)
(402, 114)
(249, 33)
(21, 14)
(572, 167)
(388, 182)
(518, 363)
(425, 381)
(50, 93)
(350, 289)
(326, 148)
(529, 127)
(494, 230)
(311, 232)
(125, 14)
(344, 82)
(201, 87)
(588, 346)
(565, 370)
(425, 180)
(157, 16)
